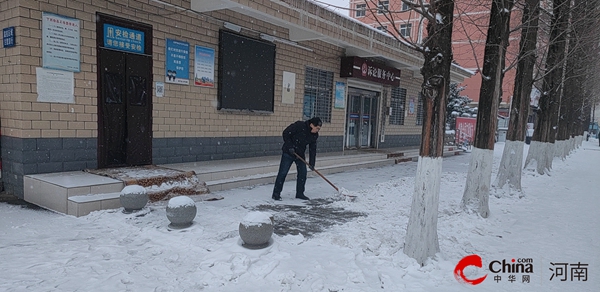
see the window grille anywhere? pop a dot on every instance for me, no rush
(318, 94)
(361, 10)
(420, 110)
(405, 7)
(405, 29)
(397, 105)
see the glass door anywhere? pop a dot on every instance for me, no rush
(361, 118)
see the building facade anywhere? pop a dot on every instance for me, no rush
(98, 84)
(468, 37)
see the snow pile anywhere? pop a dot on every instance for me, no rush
(554, 222)
(256, 218)
(133, 189)
(180, 202)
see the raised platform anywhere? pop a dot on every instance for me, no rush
(78, 193)
(60, 192)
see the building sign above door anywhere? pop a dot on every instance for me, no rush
(123, 39)
(361, 68)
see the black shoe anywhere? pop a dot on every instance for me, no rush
(302, 197)
(276, 197)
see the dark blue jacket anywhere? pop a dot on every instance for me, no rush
(297, 136)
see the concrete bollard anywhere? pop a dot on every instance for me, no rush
(256, 230)
(181, 211)
(133, 198)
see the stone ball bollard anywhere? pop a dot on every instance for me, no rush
(181, 211)
(133, 198)
(256, 230)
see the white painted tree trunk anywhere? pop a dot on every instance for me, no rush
(421, 240)
(559, 149)
(477, 189)
(569, 147)
(538, 156)
(511, 165)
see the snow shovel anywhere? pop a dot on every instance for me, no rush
(341, 192)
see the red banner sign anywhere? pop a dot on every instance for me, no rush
(465, 130)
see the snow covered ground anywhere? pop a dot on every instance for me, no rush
(552, 226)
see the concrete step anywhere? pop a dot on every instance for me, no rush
(85, 204)
(52, 190)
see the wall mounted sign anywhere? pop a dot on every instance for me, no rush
(361, 68)
(123, 39)
(8, 37)
(60, 42)
(289, 88)
(178, 66)
(340, 95)
(204, 67)
(159, 90)
(55, 86)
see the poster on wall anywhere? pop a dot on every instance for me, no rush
(55, 85)
(60, 42)
(204, 67)
(411, 106)
(340, 95)
(289, 87)
(178, 67)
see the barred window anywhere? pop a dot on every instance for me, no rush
(318, 93)
(398, 103)
(420, 110)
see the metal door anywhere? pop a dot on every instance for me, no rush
(125, 109)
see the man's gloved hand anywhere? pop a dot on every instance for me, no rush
(312, 167)
(292, 151)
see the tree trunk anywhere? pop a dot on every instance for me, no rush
(512, 156)
(541, 150)
(477, 189)
(421, 240)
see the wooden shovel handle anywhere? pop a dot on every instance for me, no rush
(315, 170)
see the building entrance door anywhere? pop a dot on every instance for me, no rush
(361, 118)
(124, 105)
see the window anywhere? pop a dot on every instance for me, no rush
(246, 73)
(420, 110)
(383, 7)
(398, 102)
(361, 10)
(405, 29)
(318, 93)
(405, 7)
(382, 28)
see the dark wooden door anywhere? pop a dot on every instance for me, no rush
(125, 109)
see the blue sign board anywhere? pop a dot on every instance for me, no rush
(123, 39)
(8, 37)
(178, 65)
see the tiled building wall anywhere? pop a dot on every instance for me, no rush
(44, 137)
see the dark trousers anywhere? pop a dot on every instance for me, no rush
(284, 168)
